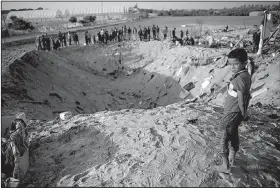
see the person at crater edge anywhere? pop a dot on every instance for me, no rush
(235, 107)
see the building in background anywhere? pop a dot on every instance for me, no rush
(102, 14)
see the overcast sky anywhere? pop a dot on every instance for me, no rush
(9, 4)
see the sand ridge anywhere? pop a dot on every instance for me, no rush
(162, 141)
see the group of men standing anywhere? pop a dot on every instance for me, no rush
(118, 34)
(71, 36)
(145, 33)
(104, 35)
(46, 42)
(187, 40)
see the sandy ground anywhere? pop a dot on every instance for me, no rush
(176, 145)
(161, 142)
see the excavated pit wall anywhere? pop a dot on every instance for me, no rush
(154, 75)
(84, 79)
(81, 80)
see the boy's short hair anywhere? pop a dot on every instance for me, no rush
(239, 53)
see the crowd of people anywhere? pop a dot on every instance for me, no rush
(116, 34)
(46, 42)
(183, 40)
(122, 33)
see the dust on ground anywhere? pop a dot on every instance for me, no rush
(173, 145)
(161, 141)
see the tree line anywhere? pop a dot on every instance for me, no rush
(243, 10)
(19, 24)
(85, 21)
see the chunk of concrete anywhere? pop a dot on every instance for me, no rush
(189, 86)
(184, 93)
(65, 115)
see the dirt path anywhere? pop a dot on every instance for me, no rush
(33, 36)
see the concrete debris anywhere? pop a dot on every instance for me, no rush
(65, 115)
(258, 92)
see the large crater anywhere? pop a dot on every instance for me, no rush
(83, 80)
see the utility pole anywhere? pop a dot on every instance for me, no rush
(102, 12)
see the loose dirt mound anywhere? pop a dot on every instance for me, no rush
(195, 64)
(175, 145)
(169, 145)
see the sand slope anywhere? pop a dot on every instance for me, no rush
(176, 145)
(81, 80)
(195, 64)
(108, 144)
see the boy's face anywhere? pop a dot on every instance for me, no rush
(235, 64)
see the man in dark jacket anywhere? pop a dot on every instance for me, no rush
(106, 36)
(181, 34)
(154, 31)
(60, 38)
(145, 33)
(48, 42)
(125, 32)
(165, 32)
(157, 31)
(174, 34)
(64, 39)
(192, 41)
(149, 33)
(140, 33)
(129, 33)
(77, 38)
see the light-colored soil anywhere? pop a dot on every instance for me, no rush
(176, 145)
(109, 144)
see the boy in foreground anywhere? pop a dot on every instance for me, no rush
(235, 106)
